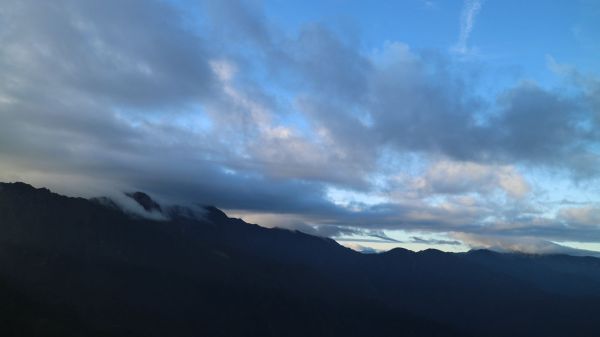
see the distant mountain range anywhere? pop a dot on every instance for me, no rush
(78, 267)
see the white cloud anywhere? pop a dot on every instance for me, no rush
(453, 177)
(467, 20)
(581, 216)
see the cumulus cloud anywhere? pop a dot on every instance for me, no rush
(450, 177)
(581, 216)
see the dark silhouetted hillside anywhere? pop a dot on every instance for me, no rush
(77, 267)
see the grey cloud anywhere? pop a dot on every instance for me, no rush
(95, 63)
(381, 235)
(237, 20)
(126, 52)
(536, 124)
(417, 105)
(328, 65)
(326, 231)
(417, 101)
(483, 219)
(419, 109)
(417, 239)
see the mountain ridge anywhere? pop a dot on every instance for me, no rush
(85, 252)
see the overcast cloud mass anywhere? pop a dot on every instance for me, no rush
(314, 124)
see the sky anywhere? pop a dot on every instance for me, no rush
(452, 124)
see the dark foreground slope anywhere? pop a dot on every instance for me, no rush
(74, 267)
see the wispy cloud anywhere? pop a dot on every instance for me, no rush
(417, 239)
(467, 20)
(430, 4)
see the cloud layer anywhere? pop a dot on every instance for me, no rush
(213, 103)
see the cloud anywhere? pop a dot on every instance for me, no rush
(450, 177)
(130, 206)
(381, 236)
(431, 5)
(361, 249)
(525, 245)
(215, 104)
(467, 20)
(586, 216)
(417, 239)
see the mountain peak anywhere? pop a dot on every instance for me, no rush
(431, 252)
(398, 251)
(145, 201)
(482, 252)
(21, 187)
(214, 213)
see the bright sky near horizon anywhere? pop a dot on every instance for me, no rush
(416, 123)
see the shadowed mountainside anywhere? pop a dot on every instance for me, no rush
(72, 267)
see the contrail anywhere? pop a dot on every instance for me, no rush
(467, 20)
